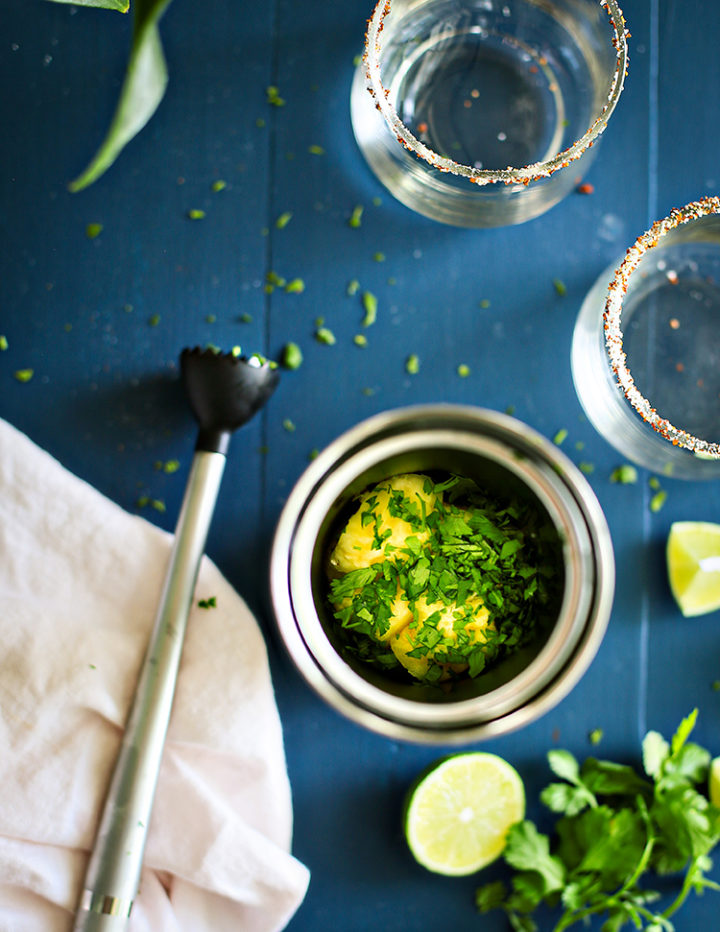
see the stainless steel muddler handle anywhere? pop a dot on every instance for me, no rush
(113, 872)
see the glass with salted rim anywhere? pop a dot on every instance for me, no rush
(484, 113)
(647, 368)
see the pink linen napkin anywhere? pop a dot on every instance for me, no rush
(79, 582)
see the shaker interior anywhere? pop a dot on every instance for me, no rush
(491, 477)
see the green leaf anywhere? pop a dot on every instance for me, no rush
(563, 764)
(122, 6)
(528, 850)
(570, 800)
(655, 751)
(490, 896)
(143, 89)
(683, 731)
(606, 778)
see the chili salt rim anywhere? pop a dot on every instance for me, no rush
(614, 335)
(509, 175)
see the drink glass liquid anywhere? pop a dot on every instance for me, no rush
(485, 112)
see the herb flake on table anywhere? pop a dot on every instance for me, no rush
(412, 364)
(292, 356)
(370, 304)
(24, 375)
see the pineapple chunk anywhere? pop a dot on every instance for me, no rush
(373, 523)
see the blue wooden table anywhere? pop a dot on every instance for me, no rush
(101, 321)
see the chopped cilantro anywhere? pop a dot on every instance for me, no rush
(3, 342)
(595, 736)
(93, 230)
(283, 220)
(295, 286)
(560, 436)
(324, 335)
(369, 302)
(412, 364)
(273, 96)
(208, 603)
(24, 375)
(292, 356)
(196, 214)
(625, 474)
(219, 185)
(356, 216)
(658, 500)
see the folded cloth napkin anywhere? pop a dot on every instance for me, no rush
(79, 581)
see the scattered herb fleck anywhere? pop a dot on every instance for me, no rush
(353, 287)
(326, 336)
(369, 302)
(379, 256)
(24, 375)
(219, 185)
(288, 425)
(245, 318)
(625, 474)
(295, 286)
(360, 339)
(658, 500)
(210, 318)
(485, 303)
(273, 281)
(93, 230)
(356, 216)
(273, 96)
(169, 466)
(196, 214)
(313, 454)
(560, 436)
(654, 482)
(586, 467)
(283, 220)
(292, 356)
(3, 342)
(412, 364)
(208, 603)
(463, 370)
(595, 736)
(559, 286)
(316, 150)
(154, 320)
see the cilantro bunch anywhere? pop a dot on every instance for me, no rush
(617, 827)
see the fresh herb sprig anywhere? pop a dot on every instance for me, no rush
(616, 829)
(145, 81)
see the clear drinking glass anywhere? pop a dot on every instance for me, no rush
(647, 367)
(484, 113)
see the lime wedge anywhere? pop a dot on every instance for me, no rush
(458, 814)
(693, 562)
(714, 782)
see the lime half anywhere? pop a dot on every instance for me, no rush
(693, 561)
(458, 814)
(714, 782)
